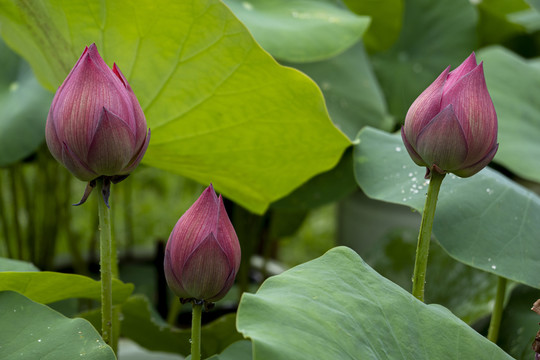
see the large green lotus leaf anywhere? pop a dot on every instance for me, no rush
(353, 95)
(143, 325)
(300, 30)
(23, 108)
(435, 34)
(33, 331)
(486, 221)
(513, 84)
(385, 235)
(337, 307)
(386, 20)
(519, 323)
(220, 108)
(46, 287)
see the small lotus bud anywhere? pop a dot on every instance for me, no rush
(202, 255)
(452, 126)
(95, 125)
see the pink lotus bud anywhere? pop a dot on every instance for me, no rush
(203, 253)
(452, 126)
(96, 126)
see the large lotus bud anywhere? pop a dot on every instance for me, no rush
(203, 253)
(452, 126)
(96, 126)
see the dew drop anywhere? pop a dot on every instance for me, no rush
(247, 5)
(39, 340)
(398, 149)
(493, 267)
(411, 174)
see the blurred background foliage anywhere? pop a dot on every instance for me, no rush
(370, 60)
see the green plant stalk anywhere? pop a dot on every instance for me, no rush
(424, 237)
(15, 209)
(196, 331)
(105, 263)
(496, 315)
(4, 222)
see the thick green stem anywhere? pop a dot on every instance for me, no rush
(424, 237)
(496, 315)
(105, 266)
(196, 331)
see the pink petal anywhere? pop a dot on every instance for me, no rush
(194, 226)
(76, 166)
(442, 142)
(466, 67)
(227, 237)
(412, 152)
(206, 270)
(112, 145)
(475, 111)
(138, 155)
(173, 279)
(473, 169)
(424, 108)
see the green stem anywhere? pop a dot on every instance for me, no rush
(105, 266)
(495, 323)
(15, 209)
(196, 331)
(4, 222)
(424, 237)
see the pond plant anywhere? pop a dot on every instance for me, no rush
(313, 120)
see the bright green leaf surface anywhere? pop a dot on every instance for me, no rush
(353, 95)
(220, 108)
(23, 108)
(46, 287)
(337, 307)
(435, 34)
(300, 30)
(34, 331)
(486, 221)
(514, 84)
(386, 20)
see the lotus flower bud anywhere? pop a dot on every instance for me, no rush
(202, 255)
(95, 125)
(452, 126)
